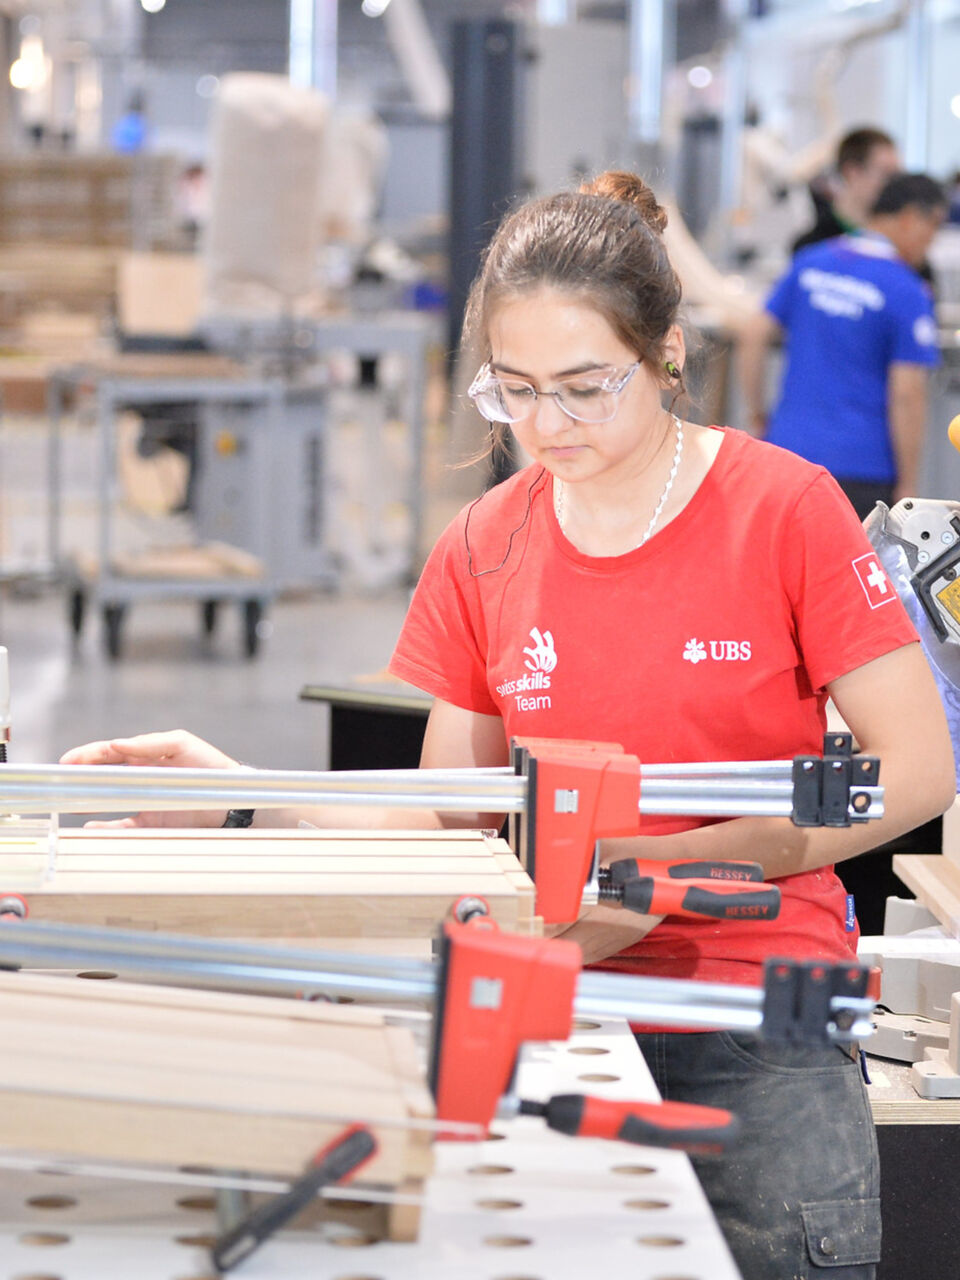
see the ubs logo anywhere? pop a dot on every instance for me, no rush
(695, 651)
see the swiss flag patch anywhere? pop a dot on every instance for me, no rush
(877, 587)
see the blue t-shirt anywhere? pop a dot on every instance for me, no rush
(850, 309)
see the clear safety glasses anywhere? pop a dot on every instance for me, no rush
(587, 397)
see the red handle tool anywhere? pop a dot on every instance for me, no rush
(693, 869)
(337, 1162)
(679, 1126)
(722, 900)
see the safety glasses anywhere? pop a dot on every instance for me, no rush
(586, 397)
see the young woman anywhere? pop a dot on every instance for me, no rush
(692, 594)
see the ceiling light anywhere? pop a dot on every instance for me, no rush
(700, 77)
(374, 8)
(22, 74)
(32, 69)
(153, 6)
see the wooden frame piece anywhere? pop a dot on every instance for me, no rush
(161, 1076)
(391, 889)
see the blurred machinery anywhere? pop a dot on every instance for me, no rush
(518, 129)
(227, 358)
(287, 176)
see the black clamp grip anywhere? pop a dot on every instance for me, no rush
(798, 996)
(837, 774)
(825, 788)
(807, 779)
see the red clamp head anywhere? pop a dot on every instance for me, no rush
(494, 991)
(577, 793)
(13, 906)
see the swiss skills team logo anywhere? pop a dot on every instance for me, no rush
(541, 655)
(540, 659)
(877, 587)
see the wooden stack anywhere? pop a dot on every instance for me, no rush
(86, 199)
(935, 878)
(157, 1076)
(383, 891)
(211, 561)
(66, 278)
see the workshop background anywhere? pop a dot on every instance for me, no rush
(236, 238)
(290, 195)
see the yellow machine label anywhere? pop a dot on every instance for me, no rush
(949, 597)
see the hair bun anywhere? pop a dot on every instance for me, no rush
(618, 184)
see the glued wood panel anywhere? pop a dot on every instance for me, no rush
(132, 1074)
(282, 884)
(950, 842)
(935, 880)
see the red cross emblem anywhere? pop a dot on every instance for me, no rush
(877, 587)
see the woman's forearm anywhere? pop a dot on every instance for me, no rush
(782, 848)
(604, 930)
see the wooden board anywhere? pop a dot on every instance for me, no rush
(77, 199)
(159, 293)
(894, 1100)
(282, 884)
(119, 1072)
(935, 879)
(950, 843)
(206, 561)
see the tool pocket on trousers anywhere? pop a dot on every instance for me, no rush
(841, 1234)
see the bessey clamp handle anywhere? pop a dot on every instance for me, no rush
(720, 900)
(677, 1126)
(625, 869)
(336, 1163)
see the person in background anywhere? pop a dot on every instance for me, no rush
(953, 188)
(866, 159)
(860, 335)
(130, 133)
(694, 595)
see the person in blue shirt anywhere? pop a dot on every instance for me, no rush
(129, 134)
(860, 336)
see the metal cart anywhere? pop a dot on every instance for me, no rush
(111, 584)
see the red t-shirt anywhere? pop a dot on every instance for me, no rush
(713, 641)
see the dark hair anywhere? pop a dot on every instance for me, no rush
(604, 244)
(856, 146)
(906, 190)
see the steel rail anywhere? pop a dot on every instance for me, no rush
(170, 959)
(27, 789)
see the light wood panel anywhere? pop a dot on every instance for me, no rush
(951, 833)
(935, 879)
(282, 884)
(159, 1076)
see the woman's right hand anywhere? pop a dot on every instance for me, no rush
(175, 748)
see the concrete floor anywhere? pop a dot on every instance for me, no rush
(170, 677)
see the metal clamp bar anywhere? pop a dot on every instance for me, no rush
(109, 788)
(298, 972)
